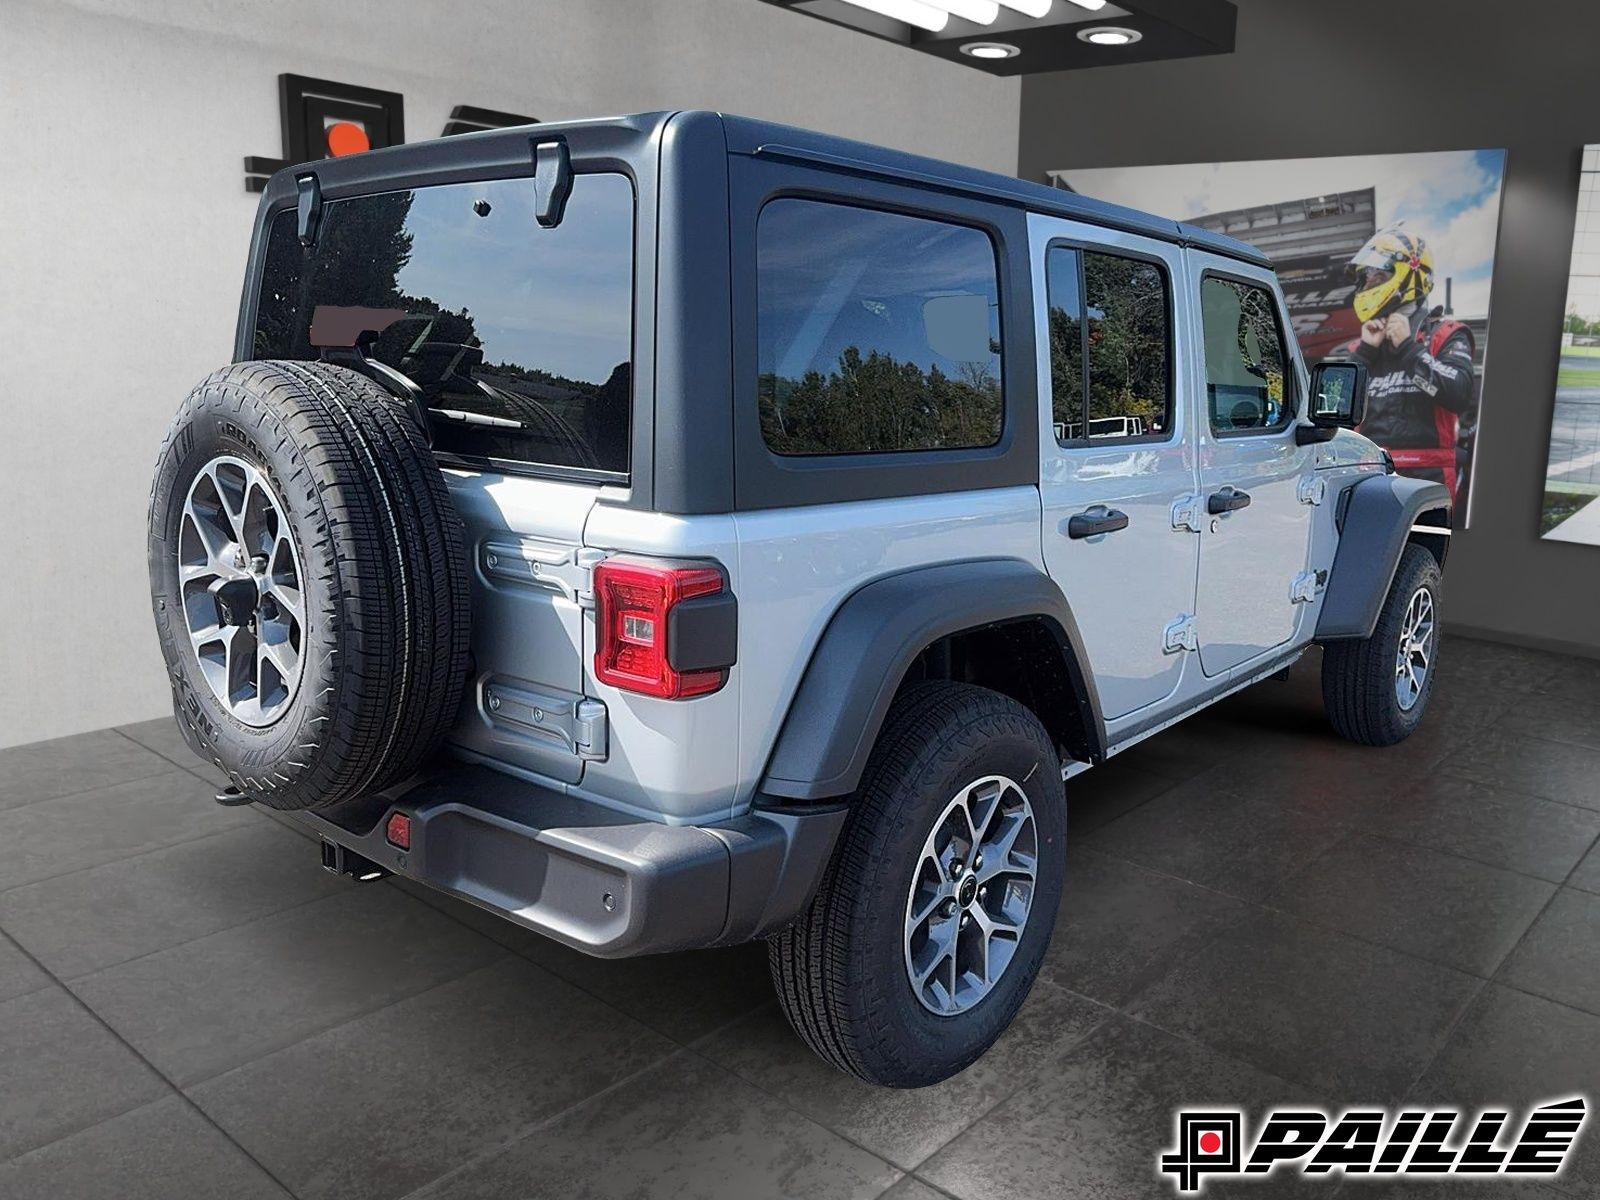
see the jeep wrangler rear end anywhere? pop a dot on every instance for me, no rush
(675, 530)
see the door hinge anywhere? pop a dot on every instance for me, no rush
(1312, 489)
(1186, 514)
(1180, 635)
(561, 568)
(1307, 586)
(579, 725)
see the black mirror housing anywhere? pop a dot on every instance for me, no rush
(1338, 394)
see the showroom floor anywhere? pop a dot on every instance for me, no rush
(1256, 913)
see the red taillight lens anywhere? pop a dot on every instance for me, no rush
(398, 830)
(632, 603)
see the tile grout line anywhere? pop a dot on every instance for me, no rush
(172, 1088)
(189, 766)
(167, 768)
(188, 841)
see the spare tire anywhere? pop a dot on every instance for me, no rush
(310, 582)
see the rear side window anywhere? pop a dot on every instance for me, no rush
(1246, 361)
(1110, 347)
(519, 337)
(878, 331)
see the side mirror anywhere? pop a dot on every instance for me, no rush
(1338, 394)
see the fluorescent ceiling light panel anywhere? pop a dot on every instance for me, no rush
(1091, 5)
(983, 12)
(912, 12)
(1029, 8)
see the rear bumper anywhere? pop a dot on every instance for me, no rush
(594, 879)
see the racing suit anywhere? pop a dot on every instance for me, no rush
(1416, 395)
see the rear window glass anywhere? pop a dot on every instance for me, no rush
(519, 337)
(878, 331)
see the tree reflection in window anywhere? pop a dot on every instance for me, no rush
(878, 332)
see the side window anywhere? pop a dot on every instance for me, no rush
(1110, 347)
(1247, 364)
(878, 332)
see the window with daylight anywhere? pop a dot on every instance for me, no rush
(879, 332)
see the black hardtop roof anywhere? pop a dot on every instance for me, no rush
(503, 152)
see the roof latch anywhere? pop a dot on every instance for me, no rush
(552, 181)
(308, 208)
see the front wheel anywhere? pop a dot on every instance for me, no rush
(1376, 689)
(929, 927)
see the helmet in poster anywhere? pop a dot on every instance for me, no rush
(1392, 270)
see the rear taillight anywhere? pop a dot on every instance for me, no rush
(634, 602)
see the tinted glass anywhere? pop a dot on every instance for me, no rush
(519, 337)
(1066, 343)
(1246, 363)
(1130, 340)
(878, 331)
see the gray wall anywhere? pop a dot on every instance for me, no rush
(124, 225)
(1378, 76)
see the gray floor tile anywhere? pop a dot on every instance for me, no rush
(1520, 1050)
(1311, 1005)
(205, 1006)
(18, 974)
(80, 763)
(1493, 825)
(1120, 925)
(1437, 906)
(430, 1082)
(1211, 837)
(162, 1151)
(1554, 770)
(1096, 1123)
(1560, 957)
(105, 915)
(904, 1126)
(163, 737)
(54, 837)
(685, 1129)
(684, 995)
(62, 1071)
(1554, 719)
(1495, 666)
(1587, 875)
(912, 1188)
(1100, 796)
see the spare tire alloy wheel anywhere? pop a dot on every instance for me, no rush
(239, 569)
(971, 894)
(309, 579)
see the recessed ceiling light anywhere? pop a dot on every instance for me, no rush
(990, 50)
(1109, 35)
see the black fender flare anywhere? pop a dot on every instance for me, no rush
(1377, 514)
(871, 641)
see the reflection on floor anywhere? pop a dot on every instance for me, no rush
(1256, 913)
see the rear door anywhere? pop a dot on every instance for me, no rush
(1255, 495)
(518, 339)
(1113, 455)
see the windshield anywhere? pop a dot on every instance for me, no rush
(519, 337)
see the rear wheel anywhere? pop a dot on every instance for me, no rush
(1376, 689)
(309, 579)
(929, 927)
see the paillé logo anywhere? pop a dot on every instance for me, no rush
(325, 119)
(1422, 1143)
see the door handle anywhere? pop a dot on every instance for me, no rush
(1228, 500)
(1094, 522)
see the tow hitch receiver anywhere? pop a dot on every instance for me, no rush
(340, 861)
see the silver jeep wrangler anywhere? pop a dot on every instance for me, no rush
(673, 530)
